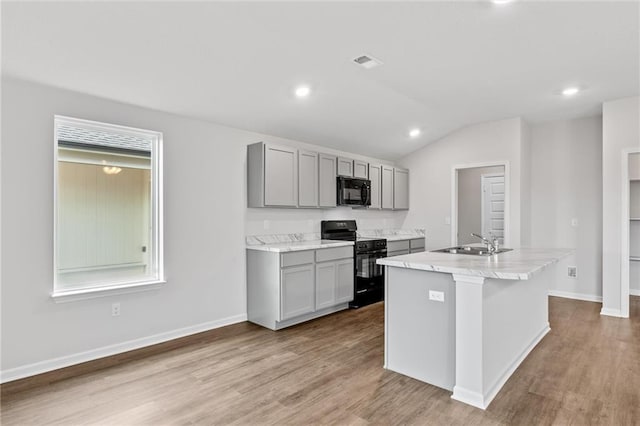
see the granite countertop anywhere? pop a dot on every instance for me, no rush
(282, 247)
(518, 264)
(393, 234)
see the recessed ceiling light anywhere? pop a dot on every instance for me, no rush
(570, 91)
(501, 2)
(414, 133)
(303, 91)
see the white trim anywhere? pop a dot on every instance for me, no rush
(157, 235)
(75, 294)
(624, 235)
(612, 313)
(105, 351)
(507, 198)
(469, 397)
(634, 292)
(576, 296)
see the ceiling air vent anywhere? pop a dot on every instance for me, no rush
(367, 61)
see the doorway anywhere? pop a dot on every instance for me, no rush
(480, 202)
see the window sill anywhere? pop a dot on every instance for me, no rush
(73, 295)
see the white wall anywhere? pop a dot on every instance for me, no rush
(566, 183)
(205, 223)
(431, 168)
(621, 131)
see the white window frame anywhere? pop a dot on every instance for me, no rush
(123, 286)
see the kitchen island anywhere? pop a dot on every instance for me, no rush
(464, 323)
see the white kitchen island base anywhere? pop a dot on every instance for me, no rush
(473, 340)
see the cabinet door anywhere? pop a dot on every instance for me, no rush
(327, 181)
(297, 291)
(387, 187)
(280, 176)
(325, 285)
(397, 253)
(400, 189)
(307, 179)
(344, 281)
(375, 175)
(345, 167)
(360, 169)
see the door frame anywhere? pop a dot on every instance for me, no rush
(482, 203)
(625, 229)
(507, 197)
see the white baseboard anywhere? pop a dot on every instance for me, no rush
(78, 358)
(634, 292)
(611, 312)
(576, 296)
(470, 397)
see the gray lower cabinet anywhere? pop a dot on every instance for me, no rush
(387, 187)
(284, 289)
(296, 291)
(307, 179)
(334, 283)
(400, 189)
(375, 176)
(416, 245)
(328, 192)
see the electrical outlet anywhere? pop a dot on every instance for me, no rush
(115, 310)
(574, 222)
(437, 296)
(572, 271)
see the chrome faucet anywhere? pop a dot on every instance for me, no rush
(492, 246)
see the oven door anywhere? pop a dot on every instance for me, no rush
(368, 273)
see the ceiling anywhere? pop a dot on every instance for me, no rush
(446, 64)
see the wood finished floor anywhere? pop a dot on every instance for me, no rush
(329, 371)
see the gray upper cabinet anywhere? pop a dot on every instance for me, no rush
(375, 175)
(360, 169)
(327, 180)
(272, 175)
(345, 167)
(307, 179)
(400, 189)
(387, 187)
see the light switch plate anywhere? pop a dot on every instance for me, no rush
(447, 220)
(437, 296)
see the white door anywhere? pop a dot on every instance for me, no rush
(493, 206)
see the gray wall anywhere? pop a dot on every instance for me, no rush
(206, 220)
(566, 183)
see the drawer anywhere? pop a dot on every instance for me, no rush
(397, 245)
(417, 243)
(417, 250)
(397, 252)
(296, 258)
(323, 255)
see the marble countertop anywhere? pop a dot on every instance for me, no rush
(402, 237)
(518, 264)
(282, 247)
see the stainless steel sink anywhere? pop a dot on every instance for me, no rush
(474, 251)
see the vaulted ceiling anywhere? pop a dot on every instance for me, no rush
(446, 64)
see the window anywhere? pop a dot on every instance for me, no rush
(108, 213)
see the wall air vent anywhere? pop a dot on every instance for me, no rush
(367, 61)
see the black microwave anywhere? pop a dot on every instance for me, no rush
(353, 191)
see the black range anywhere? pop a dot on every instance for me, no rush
(369, 277)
